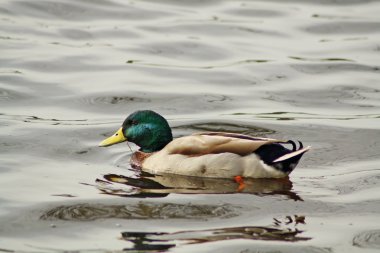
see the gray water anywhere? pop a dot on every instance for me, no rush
(71, 71)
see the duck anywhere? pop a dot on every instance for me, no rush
(204, 154)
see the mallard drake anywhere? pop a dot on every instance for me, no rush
(208, 154)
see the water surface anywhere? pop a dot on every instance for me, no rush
(71, 71)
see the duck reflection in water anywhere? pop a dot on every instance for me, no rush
(148, 185)
(162, 242)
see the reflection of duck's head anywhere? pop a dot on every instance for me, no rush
(212, 154)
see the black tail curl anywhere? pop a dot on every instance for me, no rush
(294, 145)
(301, 145)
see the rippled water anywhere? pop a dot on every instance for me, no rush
(70, 71)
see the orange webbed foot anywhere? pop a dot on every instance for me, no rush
(240, 181)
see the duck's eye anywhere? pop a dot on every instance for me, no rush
(131, 122)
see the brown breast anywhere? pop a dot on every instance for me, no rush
(138, 158)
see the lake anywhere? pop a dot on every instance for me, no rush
(71, 71)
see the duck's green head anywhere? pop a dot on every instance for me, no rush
(147, 129)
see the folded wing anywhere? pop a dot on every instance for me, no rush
(214, 143)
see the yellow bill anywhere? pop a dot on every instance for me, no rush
(114, 139)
